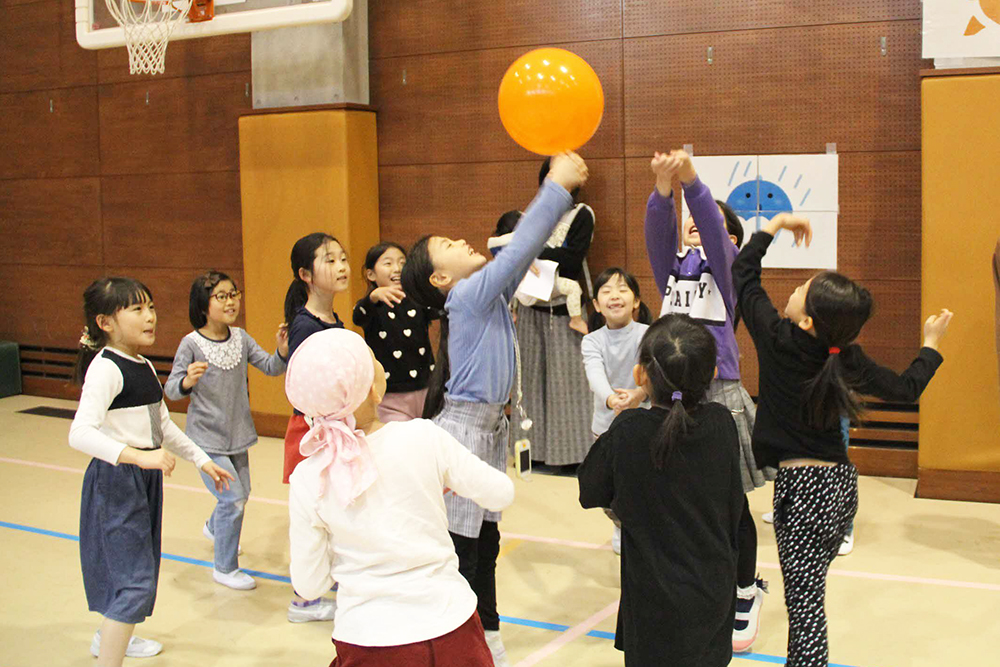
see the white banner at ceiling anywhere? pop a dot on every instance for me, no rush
(961, 28)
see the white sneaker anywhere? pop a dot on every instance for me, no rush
(497, 648)
(237, 579)
(137, 647)
(847, 546)
(616, 540)
(747, 622)
(211, 538)
(768, 517)
(323, 609)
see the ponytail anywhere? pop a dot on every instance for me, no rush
(104, 296)
(678, 355)
(839, 309)
(416, 281)
(303, 257)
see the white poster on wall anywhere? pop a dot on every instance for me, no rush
(961, 28)
(759, 187)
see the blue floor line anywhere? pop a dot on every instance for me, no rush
(556, 627)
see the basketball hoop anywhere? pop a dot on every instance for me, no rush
(148, 25)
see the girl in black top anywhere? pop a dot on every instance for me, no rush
(811, 373)
(672, 474)
(396, 330)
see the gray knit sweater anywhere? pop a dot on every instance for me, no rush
(218, 419)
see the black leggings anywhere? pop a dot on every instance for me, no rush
(477, 561)
(746, 541)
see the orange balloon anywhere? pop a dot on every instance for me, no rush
(550, 101)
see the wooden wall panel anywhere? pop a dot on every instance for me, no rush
(43, 307)
(186, 58)
(403, 27)
(775, 91)
(171, 290)
(655, 17)
(38, 48)
(57, 222)
(189, 124)
(38, 143)
(175, 220)
(447, 109)
(465, 201)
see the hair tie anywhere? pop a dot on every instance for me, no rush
(86, 341)
(834, 350)
(677, 396)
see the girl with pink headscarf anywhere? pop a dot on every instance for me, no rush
(367, 510)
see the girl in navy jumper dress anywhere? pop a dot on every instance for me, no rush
(123, 423)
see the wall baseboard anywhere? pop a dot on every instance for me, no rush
(885, 461)
(971, 485)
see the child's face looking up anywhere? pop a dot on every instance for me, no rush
(452, 260)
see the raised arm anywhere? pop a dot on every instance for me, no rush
(882, 382)
(719, 249)
(661, 221)
(501, 276)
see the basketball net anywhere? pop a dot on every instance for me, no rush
(148, 25)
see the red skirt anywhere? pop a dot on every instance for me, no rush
(297, 427)
(462, 647)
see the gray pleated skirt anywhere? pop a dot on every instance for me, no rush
(557, 397)
(731, 394)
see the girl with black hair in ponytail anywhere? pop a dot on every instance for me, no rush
(811, 373)
(319, 271)
(672, 474)
(475, 368)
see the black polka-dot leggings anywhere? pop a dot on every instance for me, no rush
(813, 506)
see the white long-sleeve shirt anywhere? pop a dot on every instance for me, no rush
(390, 550)
(121, 406)
(609, 355)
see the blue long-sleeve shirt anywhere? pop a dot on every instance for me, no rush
(696, 284)
(481, 330)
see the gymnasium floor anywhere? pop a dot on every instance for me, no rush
(921, 588)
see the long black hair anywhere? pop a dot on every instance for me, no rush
(303, 256)
(839, 307)
(104, 296)
(596, 320)
(201, 292)
(417, 285)
(373, 255)
(678, 354)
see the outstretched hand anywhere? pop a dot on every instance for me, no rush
(220, 476)
(568, 170)
(800, 227)
(935, 327)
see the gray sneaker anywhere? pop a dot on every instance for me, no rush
(322, 609)
(137, 647)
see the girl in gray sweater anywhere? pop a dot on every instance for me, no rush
(210, 367)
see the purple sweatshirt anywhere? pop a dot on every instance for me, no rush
(696, 282)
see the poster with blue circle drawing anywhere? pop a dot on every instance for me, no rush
(758, 187)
